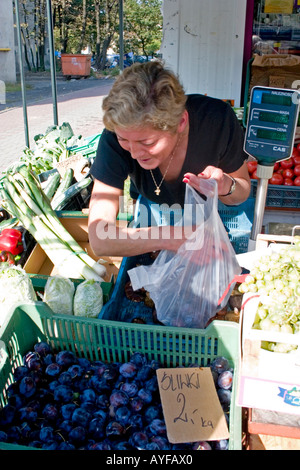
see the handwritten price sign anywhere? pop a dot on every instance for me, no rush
(191, 406)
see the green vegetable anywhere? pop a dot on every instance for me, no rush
(8, 223)
(88, 299)
(58, 294)
(52, 185)
(50, 148)
(15, 287)
(24, 199)
(65, 182)
(60, 200)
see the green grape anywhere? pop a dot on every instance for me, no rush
(267, 325)
(262, 312)
(268, 277)
(286, 328)
(249, 279)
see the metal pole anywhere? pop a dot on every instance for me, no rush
(22, 74)
(52, 62)
(264, 173)
(121, 30)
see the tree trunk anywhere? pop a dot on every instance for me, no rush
(83, 26)
(64, 27)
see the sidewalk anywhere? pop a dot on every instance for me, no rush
(79, 102)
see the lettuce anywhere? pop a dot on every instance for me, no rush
(58, 294)
(15, 288)
(88, 299)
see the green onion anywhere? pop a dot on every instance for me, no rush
(23, 197)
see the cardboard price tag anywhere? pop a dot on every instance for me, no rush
(191, 406)
(75, 162)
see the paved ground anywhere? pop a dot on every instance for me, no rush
(78, 102)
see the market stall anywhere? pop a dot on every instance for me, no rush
(87, 360)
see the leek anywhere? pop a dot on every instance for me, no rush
(22, 196)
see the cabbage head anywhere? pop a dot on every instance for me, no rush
(15, 288)
(58, 294)
(88, 299)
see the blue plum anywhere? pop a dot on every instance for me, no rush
(27, 387)
(128, 370)
(225, 379)
(219, 364)
(131, 388)
(118, 398)
(63, 394)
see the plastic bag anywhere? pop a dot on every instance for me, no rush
(186, 286)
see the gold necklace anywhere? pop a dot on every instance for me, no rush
(157, 186)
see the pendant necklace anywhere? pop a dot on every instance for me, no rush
(157, 190)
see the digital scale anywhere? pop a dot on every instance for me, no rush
(270, 134)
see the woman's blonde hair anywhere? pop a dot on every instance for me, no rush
(145, 94)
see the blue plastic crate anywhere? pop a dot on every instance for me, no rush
(279, 195)
(237, 220)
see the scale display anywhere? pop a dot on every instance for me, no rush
(272, 121)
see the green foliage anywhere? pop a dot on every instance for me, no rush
(78, 24)
(143, 26)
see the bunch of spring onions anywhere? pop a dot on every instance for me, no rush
(23, 197)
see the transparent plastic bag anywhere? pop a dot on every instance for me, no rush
(187, 286)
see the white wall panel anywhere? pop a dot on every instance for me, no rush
(203, 42)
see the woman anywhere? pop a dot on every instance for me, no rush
(163, 140)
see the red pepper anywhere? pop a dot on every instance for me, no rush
(7, 257)
(11, 240)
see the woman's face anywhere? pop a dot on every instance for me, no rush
(148, 146)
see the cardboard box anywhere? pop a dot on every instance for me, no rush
(268, 380)
(77, 225)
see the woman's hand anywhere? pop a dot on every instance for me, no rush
(224, 182)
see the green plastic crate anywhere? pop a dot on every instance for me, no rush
(116, 341)
(88, 148)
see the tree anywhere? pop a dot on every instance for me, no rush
(33, 32)
(95, 23)
(106, 16)
(142, 26)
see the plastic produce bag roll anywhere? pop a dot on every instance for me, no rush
(187, 286)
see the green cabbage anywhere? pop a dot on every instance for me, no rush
(88, 299)
(15, 288)
(58, 294)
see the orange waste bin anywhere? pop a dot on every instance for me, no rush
(76, 65)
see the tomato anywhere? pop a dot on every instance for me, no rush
(252, 165)
(254, 175)
(276, 166)
(288, 163)
(297, 181)
(296, 150)
(296, 159)
(297, 170)
(288, 182)
(288, 173)
(298, 147)
(277, 178)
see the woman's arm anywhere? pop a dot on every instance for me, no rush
(106, 238)
(241, 176)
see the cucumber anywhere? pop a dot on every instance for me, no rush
(60, 201)
(52, 185)
(65, 182)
